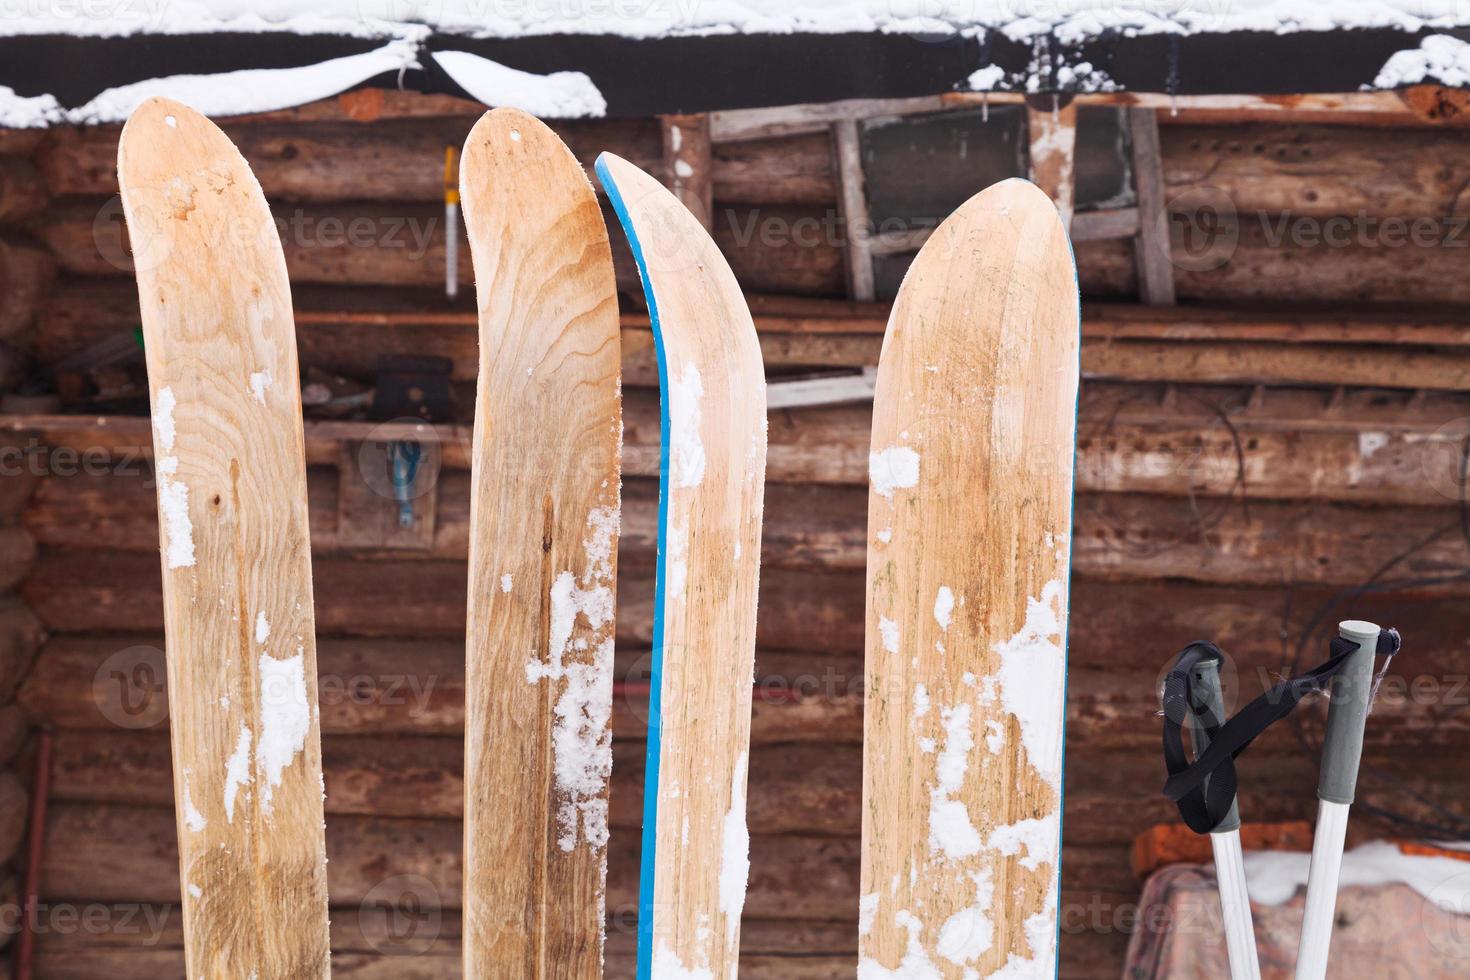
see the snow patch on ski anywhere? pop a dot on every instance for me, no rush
(915, 964)
(163, 419)
(505, 583)
(237, 771)
(193, 819)
(173, 501)
(1041, 938)
(686, 449)
(1035, 839)
(260, 383)
(667, 966)
(951, 833)
(173, 495)
(888, 629)
(894, 468)
(285, 719)
(867, 912)
(1031, 676)
(262, 628)
(735, 858)
(944, 607)
(581, 739)
(968, 934)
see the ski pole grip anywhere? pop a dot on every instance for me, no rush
(1206, 684)
(1347, 714)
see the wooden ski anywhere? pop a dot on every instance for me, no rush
(544, 515)
(968, 522)
(711, 487)
(238, 616)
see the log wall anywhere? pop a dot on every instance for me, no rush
(1244, 460)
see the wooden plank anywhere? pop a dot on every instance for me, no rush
(848, 153)
(687, 164)
(114, 683)
(127, 854)
(1322, 170)
(237, 589)
(1153, 247)
(1053, 135)
(415, 687)
(968, 522)
(711, 494)
(543, 540)
(1371, 444)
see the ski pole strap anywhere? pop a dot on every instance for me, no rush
(1204, 790)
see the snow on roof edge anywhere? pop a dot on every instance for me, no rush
(1069, 21)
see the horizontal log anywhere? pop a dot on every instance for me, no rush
(1261, 257)
(22, 190)
(129, 854)
(101, 682)
(1321, 170)
(17, 554)
(1122, 635)
(403, 942)
(1350, 445)
(116, 683)
(1117, 536)
(402, 159)
(402, 244)
(806, 789)
(21, 635)
(813, 790)
(26, 273)
(805, 526)
(102, 591)
(343, 332)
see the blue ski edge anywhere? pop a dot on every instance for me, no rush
(655, 671)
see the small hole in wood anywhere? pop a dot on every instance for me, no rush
(515, 135)
(171, 121)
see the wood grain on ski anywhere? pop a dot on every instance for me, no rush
(237, 595)
(712, 476)
(968, 523)
(544, 512)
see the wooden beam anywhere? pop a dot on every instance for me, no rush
(688, 169)
(1152, 249)
(116, 853)
(847, 140)
(1326, 443)
(104, 682)
(1052, 129)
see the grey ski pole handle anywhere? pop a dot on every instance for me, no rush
(1206, 683)
(1347, 715)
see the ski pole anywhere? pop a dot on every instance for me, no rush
(451, 224)
(1341, 752)
(1235, 903)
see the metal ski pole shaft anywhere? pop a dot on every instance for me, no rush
(1235, 903)
(1342, 751)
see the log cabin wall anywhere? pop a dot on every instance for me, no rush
(1244, 459)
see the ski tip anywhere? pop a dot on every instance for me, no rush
(505, 141)
(158, 115)
(612, 170)
(161, 136)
